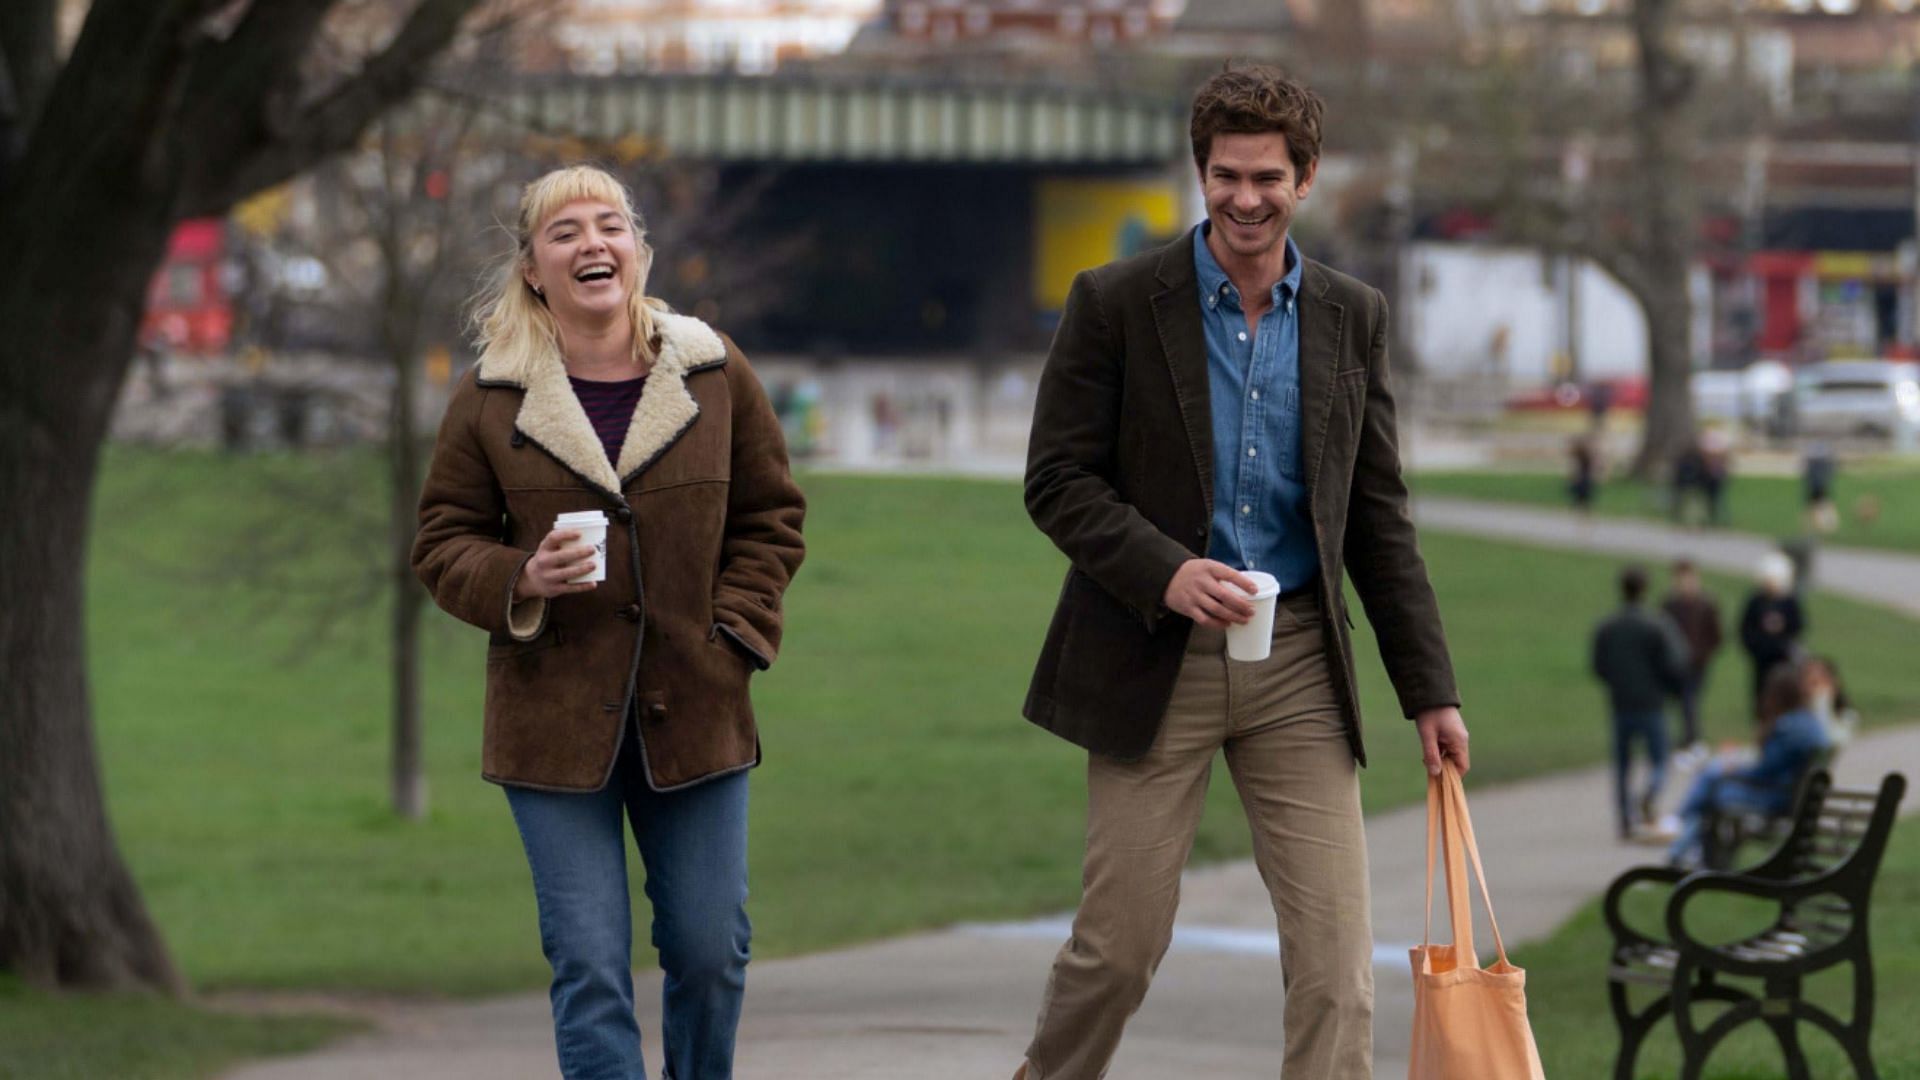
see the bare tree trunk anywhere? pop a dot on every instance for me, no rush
(403, 457)
(70, 913)
(400, 329)
(1667, 84)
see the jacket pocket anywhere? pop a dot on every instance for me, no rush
(502, 646)
(723, 637)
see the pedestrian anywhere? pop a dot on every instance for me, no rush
(1817, 477)
(625, 696)
(1641, 659)
(1772, 621)
(1585, 466)
(1692, 610)
(1689, 478)
(1792, 740)
(1716, 472)
(1208, 410)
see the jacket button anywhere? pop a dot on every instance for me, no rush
(1201, 532)
(631, 613)
(516, 440)
(623, 515)
(657, 712)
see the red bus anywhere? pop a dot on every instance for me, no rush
(188, 309)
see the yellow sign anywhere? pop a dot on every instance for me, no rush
(262, 214)
(1084, 223)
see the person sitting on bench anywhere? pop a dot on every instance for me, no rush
(1791, 736)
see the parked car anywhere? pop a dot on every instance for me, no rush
(1625, 393)
(1871, 398)
(1749, 396)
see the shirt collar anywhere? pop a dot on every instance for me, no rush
(1213, 279)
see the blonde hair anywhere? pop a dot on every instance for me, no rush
(511, 324)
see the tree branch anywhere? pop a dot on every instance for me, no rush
(334, 123)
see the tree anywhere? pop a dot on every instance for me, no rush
(1581, 163)
(163, 109)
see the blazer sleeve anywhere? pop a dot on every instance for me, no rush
(1383, 554)
(761, 549)
(1071, 461)
(459, 553)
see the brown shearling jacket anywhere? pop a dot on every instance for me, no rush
(703, 537)
(1120, 477)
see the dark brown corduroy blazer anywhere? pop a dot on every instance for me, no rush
(703, 537)
(1120, 477)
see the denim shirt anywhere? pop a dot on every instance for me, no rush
(1260, 511)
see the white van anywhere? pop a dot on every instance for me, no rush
(1872, 398)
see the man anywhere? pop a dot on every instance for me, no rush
(1697, 617)
(1641, 658)
(1218, 405)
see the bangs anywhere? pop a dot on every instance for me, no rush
(547, 195)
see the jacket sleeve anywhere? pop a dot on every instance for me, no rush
(1383, 554)
(1071, 461)
(1673, 656)
(761, 549)
(1750, 636)
(458, 553)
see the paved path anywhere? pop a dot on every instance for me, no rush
(959, 1004)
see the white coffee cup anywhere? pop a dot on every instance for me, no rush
(592, 527)
(1253, 639)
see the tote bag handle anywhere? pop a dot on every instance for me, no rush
(1450, 828)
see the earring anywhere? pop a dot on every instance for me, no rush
(539, 292)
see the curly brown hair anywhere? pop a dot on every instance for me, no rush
(1255, 99)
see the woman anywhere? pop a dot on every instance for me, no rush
(1827, 697)
(1792, 736)
(1772, 621)
(626, 695)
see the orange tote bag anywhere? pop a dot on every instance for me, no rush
(1469, 1022)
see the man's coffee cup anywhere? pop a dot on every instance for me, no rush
(1253, 639)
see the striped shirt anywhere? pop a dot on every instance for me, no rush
(609, 407)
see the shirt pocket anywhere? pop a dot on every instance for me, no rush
(1287, 433)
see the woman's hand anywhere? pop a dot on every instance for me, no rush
(552, 567)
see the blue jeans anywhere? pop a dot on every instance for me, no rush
(1714, 792)
(1649, 726)
(694, 845)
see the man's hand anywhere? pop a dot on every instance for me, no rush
(1442, 735)
(1210, 593)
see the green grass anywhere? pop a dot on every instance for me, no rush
(243, 725)
(1768, 505)
(1566, 989)
(137, 1037)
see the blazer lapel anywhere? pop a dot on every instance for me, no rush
(1321, 324)
(1176, 315)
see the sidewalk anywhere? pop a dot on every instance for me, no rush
(1887, 578)
(959, 1004)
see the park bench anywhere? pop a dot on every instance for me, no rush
(1728, 831)
(1821, 877)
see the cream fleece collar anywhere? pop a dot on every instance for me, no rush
(551, 415)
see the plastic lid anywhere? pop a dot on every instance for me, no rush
(1265, 584)
(581, 517)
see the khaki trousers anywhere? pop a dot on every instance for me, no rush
(1279, 722)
